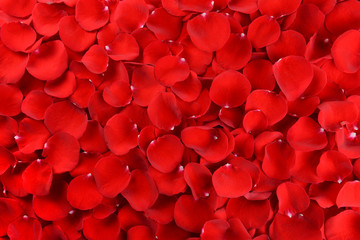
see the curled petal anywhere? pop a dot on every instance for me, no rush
(62, 152)
(91, 14)
(209, 31)
(65, 116)
(237, 230)
(230, 89)
(141, 192)
(198, 177)
(82, 192)
(99, 110)
(37, 178)
(10, 32)
(348, 143)
(189, 89)
(263, 31)
(11, 99)
(84, 90)
(325, 193)
(303, 107)
(255, 121)
(154, 51)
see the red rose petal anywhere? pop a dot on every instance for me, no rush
(209, 31)
(165, 153)
(346, 51)
(35, 104)
(305, 166)
(190, 214)
(154, 51)
(163, 210)
(107, 229)
(7, 159)
(46, 18)
(293, 75)
(23, 8)
(121, 134)
(347, 143)
(277, 8)
(303, 107)
(237, 230)
(348, 196)
(141, 192)
(263, 31)
(74, 36)
(54, 205)
(118, 94)
(87, 162)
(236, 52)
(49, 61)
(243, 6)
(169, 183)
(325, 193)
(9, 34)
(91, 14)
(343, 226)
(170, 70)
(24, 228)
(11, 210)
(255, 121)
(95, 59)
(334, 166)
(12, 180)
(230, 89)
(215, 229)
(199, 179)
(306, 135)
(164, 25)
(52, 231)
(64, 116)
(61, 87)
(123, 47)
(11, 99)
(263, 79)
(292, 199)
(278, 160)
(131, 14)
(37, 178)
(266, 101)
(189, 89)
(82, 192)
(140, 232)
(12, 65)
(84, 90)
(93, 138)
(62, 152)
(111, 176)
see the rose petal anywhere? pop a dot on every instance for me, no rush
(164, 25)
(107, 229)
(61, 87)
(35, 104)
(343, 226)
(11, 99)
(46, 18)
(84, 90)
(95, 59)
(334, 166)
(123, 47)
(277, 8)
(91, 14)
(198, 178)
(214, 229)
(170, 70)
(348, 196)
(23, 8)
(37, 178)
(10, 32)
(169, 183)
(263, 31)
(24, 228)
(131, 14)
(292, 199)
(7, 159)
(12, 65)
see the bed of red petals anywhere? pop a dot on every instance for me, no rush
(180, 119)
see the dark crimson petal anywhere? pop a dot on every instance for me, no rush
(306, 135)
(230, 89)
(343, 226)
(121, 134)
(7, 159)
(263, 31)
(209, 31)
(53, 206)
(245, 210)
(266, 101)
(82, 192)
(140, 232)
(243, 6)
(169, 183)
(11, 99)
(61, 87)
(91, 14)
(123, 47)
(278, 160)
(165, 153)
(255, 121)
(144, 85)
(46, 17)
(345, 16)
(65, 116)
(35, 104)
(131, 14)
(52, 231)
(32, 135)
(334, 114)
(163, 210)
(25, 228)
(102, 229)
(263, 79)
(297, 228)
(10, 32)
(190, 214)
(74, 36)
(141, 192)
(93, 138)
(292, 199)
(348, 196)
(171, 69)
(189, 89)
(111, 176)
(164, 112)
(118, 94)
(289, 43)
(318, 47)
(334, 166)
(293, 75)
(22, 8)
(49, 61)
(236, 52)
(231, 181)
(210, 143)
(164, 25)
(84, 89)
(346, 51)
(214, 229)
(199, 179)
(37, 178)
(95, 59)
(12, 65)
(165, 231)
(62, 152)
(278, 8)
